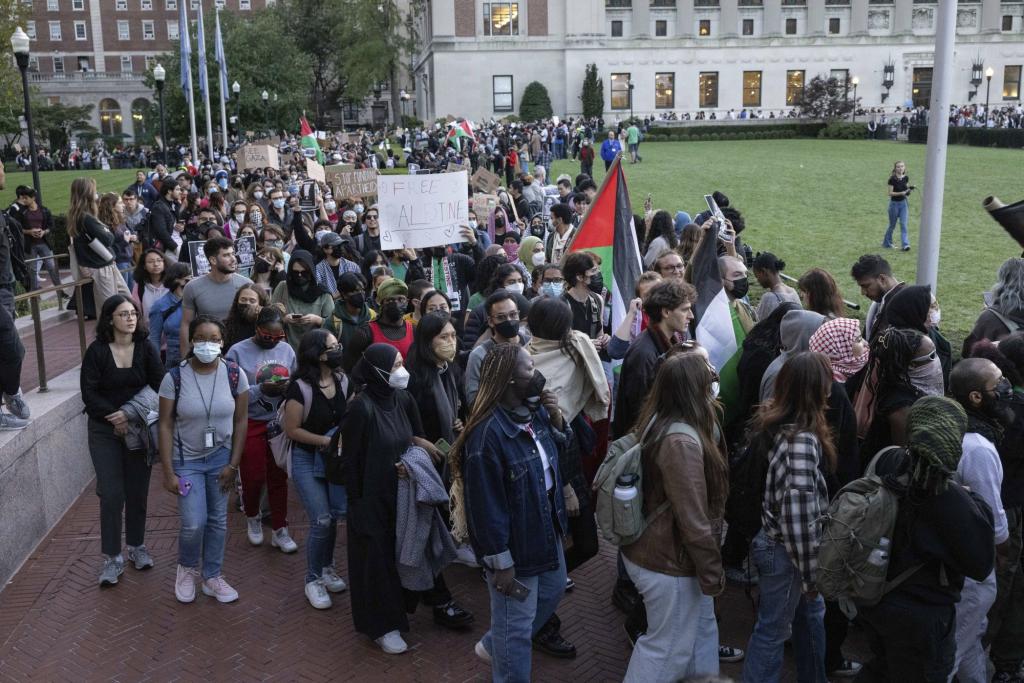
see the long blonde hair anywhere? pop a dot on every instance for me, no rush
(82, 202)
(108, 212)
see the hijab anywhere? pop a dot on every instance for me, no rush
(835, 338)
(309, 292)
(373, 370)
(908, 308)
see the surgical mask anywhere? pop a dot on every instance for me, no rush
(330, 207)
(515, 288)
(740, 287)
(934, 316)
(715, 387)
(596, 283)
(552, 289)
(223, 183)
(258, 194)
(278, 203)
(472, 224)
(239, 218)
(206, 352)
(399, 379)
(508, 329)
(293, 190)
(538, 258)
(928, 377)
(446, 351)
(358, 208)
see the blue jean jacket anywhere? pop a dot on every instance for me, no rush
(507, 507)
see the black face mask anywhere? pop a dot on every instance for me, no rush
(740, 287)
(391, 312)
(355, 299)
(994, 403)
(532, 393)
(301, 279)
(508, 329)
(596, 283)
(261, 266)
(333, 359)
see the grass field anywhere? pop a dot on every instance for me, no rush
(823, 203)
(56, 185)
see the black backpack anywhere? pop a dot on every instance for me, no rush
(15, 238)
(748, 472)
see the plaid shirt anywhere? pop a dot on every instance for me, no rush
(795, 497)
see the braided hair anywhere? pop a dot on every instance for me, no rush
(891, 353)
(495, 376)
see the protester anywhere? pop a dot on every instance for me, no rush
(92, 242)
(202, 437)
(820, 293)
(245, 307)
(669, 265)
(36, 224)
(148, 280)
(164, 222)
(503, 321)
(121, 372)
(914, 307)
(899, 189)
(305, 303)
(390, 327)
(1005, 314)
(888, 390)
(165, 315)
(266, 348)
(767, 267)
(212, 294)
(610, 149)
(334, 263)
(662, 236)
(873, 275)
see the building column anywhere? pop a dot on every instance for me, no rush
(991, 16)
(772, 17)
(641, 18)
(858, 17)
(684, 18)
(815, 17)
(729, 18)
(902, 17)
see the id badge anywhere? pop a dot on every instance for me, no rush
(209, 437)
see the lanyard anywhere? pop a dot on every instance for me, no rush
(207, 407)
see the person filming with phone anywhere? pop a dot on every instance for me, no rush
(507, 500)
(899, 189)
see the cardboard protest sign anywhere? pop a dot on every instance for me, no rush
(483, 204)
(257, 156)
(351, 182)
(485, 181)
(453, 167)
(421, 211)
(245, 252)
(315, 171)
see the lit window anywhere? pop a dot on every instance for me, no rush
(661, 28)
(172, 30)
(126, 63)
(664, 91)
(794, 87)
(616, 29)
(123, 32)
(791, 26)
(748, 27)
(110, 117)
(148, 30)
(80, 32)
(502, 93)
(1011, 82)
(834, 26)
(708, 89)
(501, 18)
(704, 27)
(620, 91)
(751, 88)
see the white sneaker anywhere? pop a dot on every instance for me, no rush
(185, 584)
(482, 652)
(464, 555)
(332, 581)
(281, 539)
(254, 530)
(392, 643)
(317, 595)
(218, 588)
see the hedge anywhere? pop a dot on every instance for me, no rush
(843, 130)
(1011, 138)
(805, 129)
(721, 135)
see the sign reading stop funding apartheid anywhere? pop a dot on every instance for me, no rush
(421, 211)
(349, 182)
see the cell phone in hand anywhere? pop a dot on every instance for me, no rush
(184, 486)
(716, 213)
(295, 317)
(443, 445)
(519, 591)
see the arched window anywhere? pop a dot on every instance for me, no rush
(110, 117)
(141, 108)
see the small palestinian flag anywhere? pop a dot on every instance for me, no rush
(607, 230)
(309, 140)
(457, 130)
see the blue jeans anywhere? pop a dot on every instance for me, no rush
(897, 211)
(514, 623)
(325, 504)
(782, 604)
(204, 512)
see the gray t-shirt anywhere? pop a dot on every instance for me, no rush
(206, 297)
(200, 393)
(251, 358)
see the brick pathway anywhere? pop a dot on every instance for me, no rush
(57, 625)
(61, 350)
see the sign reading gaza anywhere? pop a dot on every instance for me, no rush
(422, 211)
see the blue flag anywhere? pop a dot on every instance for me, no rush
(185, 48)
(218, 56)
(201, 48)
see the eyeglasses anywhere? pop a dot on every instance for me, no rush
(127, 315)
(371, 218)
(502, 317)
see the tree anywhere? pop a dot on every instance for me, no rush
(312, 26)
(57, 123)
(593, 93)
(825, 98)
(535, 104)
(13, 13)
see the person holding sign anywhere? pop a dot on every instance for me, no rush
(213, 293)
(305, 302)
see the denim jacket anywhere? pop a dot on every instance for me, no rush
(507, 508)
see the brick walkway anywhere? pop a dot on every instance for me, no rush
(57, 625)
(61, 348)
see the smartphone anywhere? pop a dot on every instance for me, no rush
(716, 213)
(519, 591)
(443, 445)
(184, 486)
(295, 317)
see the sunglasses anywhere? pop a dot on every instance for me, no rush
(269, 337)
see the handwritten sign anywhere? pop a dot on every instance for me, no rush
(453, 167)
(352, 183)
(483, 204)
(245, 252)
(485, 181)
(257, 156)
(315, 171)
(421, 211)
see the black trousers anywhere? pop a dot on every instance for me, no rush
(12, 352)
(836, 628)
(911, 641)
(122, 483)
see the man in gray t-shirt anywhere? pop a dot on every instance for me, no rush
(213, 293)
(199, 393)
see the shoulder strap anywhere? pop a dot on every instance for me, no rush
(1010, 325)
(870, 470)
(171, 310)
(307, 397)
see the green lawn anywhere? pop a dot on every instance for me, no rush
(56, 185)
(823, 203)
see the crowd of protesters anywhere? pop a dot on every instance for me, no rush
(455, 404)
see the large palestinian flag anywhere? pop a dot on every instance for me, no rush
(607, 230)
(457, 131)
(309, 140)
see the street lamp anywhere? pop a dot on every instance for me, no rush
(989, 72)
(629, 84)
(236, 91)
(19, 44)
(265, 96)
(856, 82)
(159, 74)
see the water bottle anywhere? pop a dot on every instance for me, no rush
(879, 557)
(627, 516)
(625, 487)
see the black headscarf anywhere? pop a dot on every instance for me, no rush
(373, 370)
(908, 308)
(311, 291)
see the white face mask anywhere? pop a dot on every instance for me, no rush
(538, 258)
(934, 316)
(239, 218)
(257, 195)
(206, 352)
(399, 379)
(515, 288)
(278, 203)
(358, 208)
(330, 206)
(472, 224)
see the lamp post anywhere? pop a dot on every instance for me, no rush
(629, 84)
(236, 92)
(888, 78)
(856, 82)
(265, 96)
(159, 74)
(20, 44)
(988, 89)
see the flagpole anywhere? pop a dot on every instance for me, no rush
(204, 80)
(192, 124)
(222, 69)
(186, 62)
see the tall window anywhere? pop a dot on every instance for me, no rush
(30, 29)
(751, 88)
(1011, 82)
(748, 27)
(80, 33)
(110, 117)
(501, 18)
(840, 75)
(150, 62)
(704, 27)
(665, 91)
(172, 30)
(661, 28)
(708, 89)
(58, 65)
(502, 89)
(834, 26)
(148, 30)
(54, 6)
(620, 91)
(922, 90)
(126, 63)
(791, 26)
(794, 87)
(54, 30)
(123, 31)
(616, 29)
(1007, 22)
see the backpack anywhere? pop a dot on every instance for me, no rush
(748, 472)
(278, 440)
(620, 521)
(234, 373)
(856, 541)
(15, 238)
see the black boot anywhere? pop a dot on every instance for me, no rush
(451, 615)
(625, 596)
(550, 641)
(636, 623)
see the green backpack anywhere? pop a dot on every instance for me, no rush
(856, 542)
(622, 522)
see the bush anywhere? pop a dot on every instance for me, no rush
(803, 129)
(535, 104)
(1012, 138)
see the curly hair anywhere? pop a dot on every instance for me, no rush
(1008, 292)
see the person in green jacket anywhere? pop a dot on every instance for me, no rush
(305, 303)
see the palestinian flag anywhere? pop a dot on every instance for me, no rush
(457, 130)
(309, 140)
(607, 230)
(717, 322)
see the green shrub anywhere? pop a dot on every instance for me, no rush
(535, 104)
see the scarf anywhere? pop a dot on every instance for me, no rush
(835, 338)
(579, 388)
(935, 433)
(985, 425)
(309, 292)
(372, 372)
